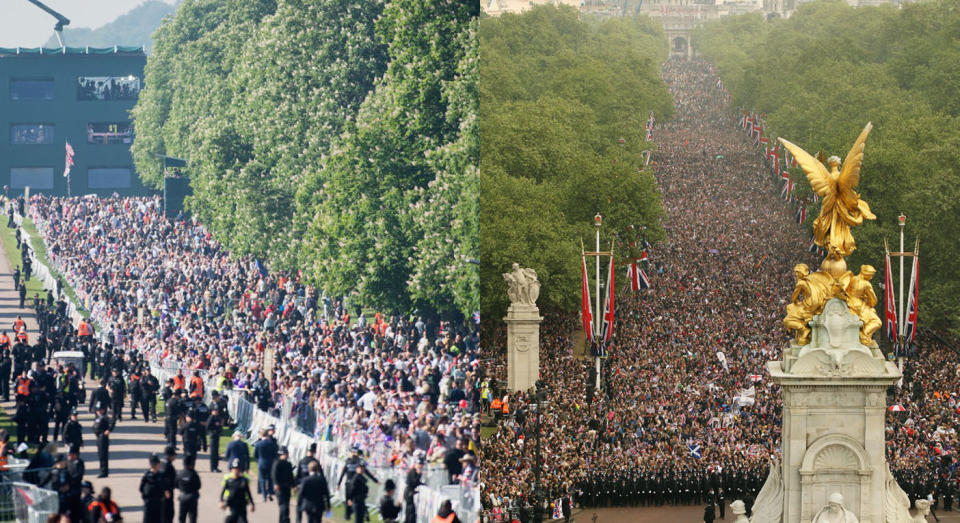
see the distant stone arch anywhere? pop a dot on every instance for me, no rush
(680, 45)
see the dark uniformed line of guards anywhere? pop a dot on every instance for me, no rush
(643, 488)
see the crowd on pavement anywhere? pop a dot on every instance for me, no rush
(401, 390)
(686, 414)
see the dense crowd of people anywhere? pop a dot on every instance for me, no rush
(401, 390)
(686, 413)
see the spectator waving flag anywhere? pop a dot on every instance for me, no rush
(889, 303)
(910, 327)
(557, 509)
(68, 162)
(694, 449)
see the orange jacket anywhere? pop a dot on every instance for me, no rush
(23, 386)
(83, 329)
(178, 382)
(196, 387)
(22, 336)
(19, 324)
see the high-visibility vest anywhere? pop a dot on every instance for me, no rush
(497, 404)
(23, 386)
(196, 384)
(438, 519)
(83, 329)
(4, 339)
(506, 408)
(3, 456)
(22, 336)
(19, 324)
(104, 508)
(178, 382)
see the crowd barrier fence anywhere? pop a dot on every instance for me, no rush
(296, 436)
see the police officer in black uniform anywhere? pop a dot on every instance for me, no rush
(173, 408)
(358, 493)
(73, 431)
(188, 483)
(153, 490)
(101, 428)
(235, 494)
(214, 427)
(135, 388)
(303, 470)
(149, 385)
(191, 436)
(283, 479)
(169, 475)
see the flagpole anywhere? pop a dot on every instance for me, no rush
(597, 221)
(902, 220)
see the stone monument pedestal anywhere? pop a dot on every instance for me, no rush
(834, 406)
(523, 346)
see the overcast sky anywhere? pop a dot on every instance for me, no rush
(23, 24)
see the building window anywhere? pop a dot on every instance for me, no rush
(32, 177)
(31, 134)
(108, 87)
(41, 89)
(108, 177)
(109, 133)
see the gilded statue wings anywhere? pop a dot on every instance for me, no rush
(843, 186)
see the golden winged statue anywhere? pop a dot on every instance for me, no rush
(842, 207)
(840, 210)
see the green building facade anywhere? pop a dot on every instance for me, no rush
(80, 95)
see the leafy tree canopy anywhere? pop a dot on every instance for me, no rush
(562, 109)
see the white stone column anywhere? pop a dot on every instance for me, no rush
(523, 346)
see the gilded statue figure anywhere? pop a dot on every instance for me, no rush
(809, 296)
(842, 207)
(861, 300)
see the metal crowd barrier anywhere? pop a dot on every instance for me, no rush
(26, 502)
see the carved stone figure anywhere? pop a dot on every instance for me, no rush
(861, 299)
(835, 512)
(739, 510)
(522, 285)
(768, 506)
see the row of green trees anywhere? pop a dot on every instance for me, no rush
(822, 74)
(563, 103)
(333, 136)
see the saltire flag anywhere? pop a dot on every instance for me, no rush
(585, 302)
(802, 214)
(889, 302)
(606, 329)
(694, 450)
(68, 162)
(910, 322)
